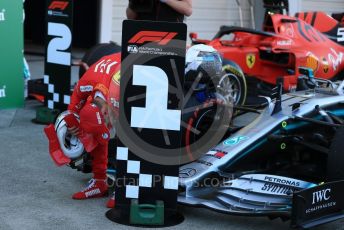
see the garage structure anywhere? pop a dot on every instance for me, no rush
(208, 16)
(85, 22)
(329, 6)
(101, 20)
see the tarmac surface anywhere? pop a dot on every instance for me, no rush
(35, 194)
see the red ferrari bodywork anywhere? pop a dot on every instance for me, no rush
(286, 44)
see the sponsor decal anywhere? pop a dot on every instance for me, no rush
(312, 61)
(92, 192)
(3, 92)
(290, 30)
(162, 38)
(335, 58)
(114, 102)
(105, 66)
(186, 173)
(81, 104)
(56, 8)
(340, 35)
(319, 207)
(99, 118)
(150, 51)
(322, 195)
(284, 43)
(105, 136)
(326, 66)
(217, 154)
(102, 88)
(282, 181)
(233, 69)
(2, 15)
(133, 49)
(86, 88)
(204, 163)
(117, 77)
(220, 154)
(320, 200)
(58, 5)
(283, 146)
(277, 188)
(250, 60)
(235, 140)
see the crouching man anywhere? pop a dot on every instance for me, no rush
(91, 100)
(89, 122)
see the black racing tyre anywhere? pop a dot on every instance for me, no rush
(233, 84)
(335, 161)
(98, 51)
(207, 118)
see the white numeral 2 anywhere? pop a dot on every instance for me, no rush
(56, 49)
(155, 115)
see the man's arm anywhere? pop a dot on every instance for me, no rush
(181, 6)
(78, 99)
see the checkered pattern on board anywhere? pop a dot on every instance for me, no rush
(55, 97)
(143, 180)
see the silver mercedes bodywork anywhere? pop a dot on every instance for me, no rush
(251, 193)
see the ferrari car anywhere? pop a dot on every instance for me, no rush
(285, 44)
(287, 162)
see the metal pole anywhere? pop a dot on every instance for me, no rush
(240, 13)
(253, 19)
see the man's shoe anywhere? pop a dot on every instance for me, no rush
(94, 189)
(111, 202)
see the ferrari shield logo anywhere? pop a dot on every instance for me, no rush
(116, 77)
(250, 60)
(326, 66)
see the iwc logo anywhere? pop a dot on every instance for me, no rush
(3, 92)
(2, 15)
(321, 199)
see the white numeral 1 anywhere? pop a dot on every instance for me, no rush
(155, 115)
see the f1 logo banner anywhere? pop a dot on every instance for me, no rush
(57, 70)
(318, 205)
(153, 61)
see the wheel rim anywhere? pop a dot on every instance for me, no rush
(230, 87)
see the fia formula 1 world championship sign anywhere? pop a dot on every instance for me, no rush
(149, 127)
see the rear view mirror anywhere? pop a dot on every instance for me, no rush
(193, 36)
